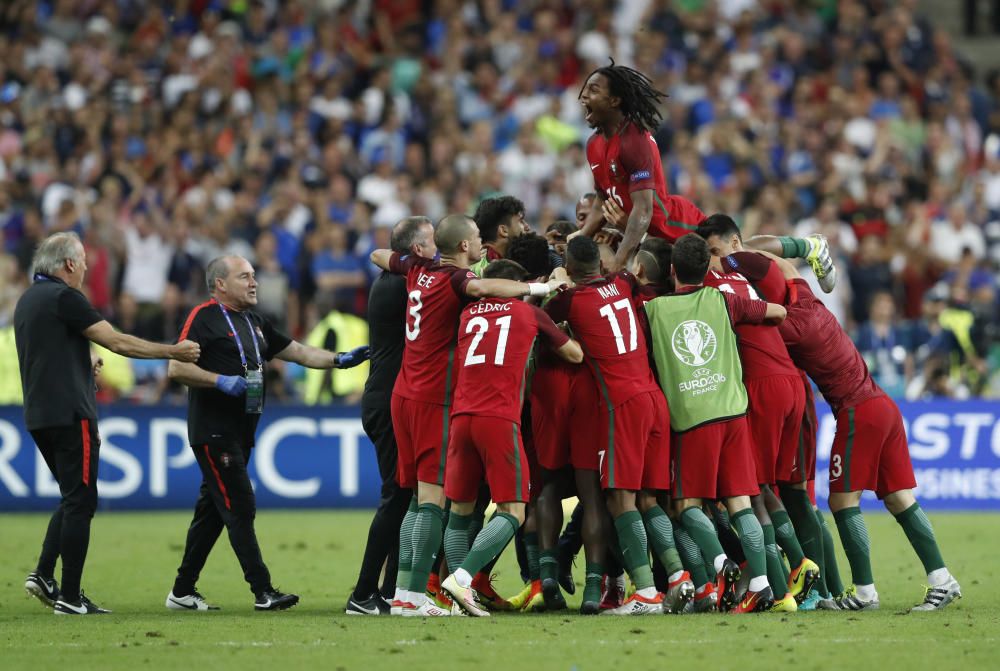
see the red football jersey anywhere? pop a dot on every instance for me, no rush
(761, 348)
(820, 347)
(495, 337)
(630, 161)
(435, 297)
(764, 274)
(602, 314)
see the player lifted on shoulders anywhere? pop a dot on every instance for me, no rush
(621, 105)
(421, 400)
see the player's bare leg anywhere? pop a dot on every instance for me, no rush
(942, 588)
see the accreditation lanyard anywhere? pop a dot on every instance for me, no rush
(239, 344)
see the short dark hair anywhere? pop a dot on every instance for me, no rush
(531, 251)
(582, 254)
(690, 258)
(655, 256)
(452, 231)
(492, 212)
(719, 224)
(562, 226)
(506, 269)
(406, 232)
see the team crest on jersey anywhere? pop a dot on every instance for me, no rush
(614, 168)
(694, 342)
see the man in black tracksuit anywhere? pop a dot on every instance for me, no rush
(54, 324)
(386, 323)
(225, 402)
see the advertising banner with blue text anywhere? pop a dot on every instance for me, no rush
(319, 457)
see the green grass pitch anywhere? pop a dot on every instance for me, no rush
(315, 554)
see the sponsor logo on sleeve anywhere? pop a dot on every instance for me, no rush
(640, 175)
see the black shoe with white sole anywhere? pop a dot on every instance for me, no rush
(192, 601)
(373, 605)
(272, 599)
(45, 590)
(83, 606)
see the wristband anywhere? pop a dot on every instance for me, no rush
(539, 289)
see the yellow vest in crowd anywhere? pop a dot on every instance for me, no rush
(10, 375)
(351, 332)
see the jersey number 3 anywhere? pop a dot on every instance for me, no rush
(480, 325)
(413, 315)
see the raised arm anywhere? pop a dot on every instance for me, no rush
(498, 288)
(308, 356)
(105, 335)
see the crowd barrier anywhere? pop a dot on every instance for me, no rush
(319, 457)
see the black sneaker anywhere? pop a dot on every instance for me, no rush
(726, 581)
(272, 599)
(83, 606)
(373, 605)
(46, 591)
(554, 600)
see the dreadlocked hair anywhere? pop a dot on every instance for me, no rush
(639, 98)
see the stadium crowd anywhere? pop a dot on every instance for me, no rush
(297, 133)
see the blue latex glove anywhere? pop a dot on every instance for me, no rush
(233, 385)
(356, 356)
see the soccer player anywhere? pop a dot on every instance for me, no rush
(500, 220)
(421, 399)
(698, 365)
(584, 207)
(621, 105)
(777, 404)
(870, 450)
(633, 453)
(495, 338)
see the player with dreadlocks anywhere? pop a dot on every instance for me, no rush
(621, 104)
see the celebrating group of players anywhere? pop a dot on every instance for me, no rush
(653, 364)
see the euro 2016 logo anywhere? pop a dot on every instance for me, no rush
(694, 342)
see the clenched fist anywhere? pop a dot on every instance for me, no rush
(187, 351)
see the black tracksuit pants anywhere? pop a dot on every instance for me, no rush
(226, 501)
(383, 534)
(71, 453)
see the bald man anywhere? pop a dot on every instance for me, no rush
(225, 402)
